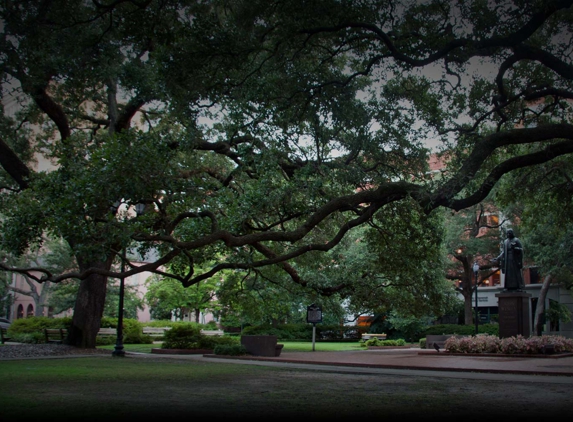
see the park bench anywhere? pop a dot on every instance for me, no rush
(107, 332)
(212, 332)
(55, 335)
(4, 335)
(368, 336)
(156, 332)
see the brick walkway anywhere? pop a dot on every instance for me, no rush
(428, 360)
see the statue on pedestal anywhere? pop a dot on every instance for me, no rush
(511, 262)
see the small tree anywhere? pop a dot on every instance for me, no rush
(59, 259)
(168, 296)
(472, 235)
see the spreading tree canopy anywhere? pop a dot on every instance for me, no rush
(259, 131)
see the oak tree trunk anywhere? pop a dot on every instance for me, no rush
(88, 309)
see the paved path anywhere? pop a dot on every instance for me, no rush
(421, 361)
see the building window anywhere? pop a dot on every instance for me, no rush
(533, 275)
(20, 312)
(495, 279)
(30, 311)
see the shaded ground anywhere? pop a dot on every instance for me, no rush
(98, 388)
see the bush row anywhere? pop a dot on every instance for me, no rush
(352, 333)
(463, 330)
(31, 330)
(377, 342)
(511, 345)
(304, 332)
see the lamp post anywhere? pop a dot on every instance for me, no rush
(118, 349)
(476, 269)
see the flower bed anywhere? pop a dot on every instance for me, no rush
(518, 345)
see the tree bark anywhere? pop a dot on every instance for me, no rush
(88, 309)
(540, 309)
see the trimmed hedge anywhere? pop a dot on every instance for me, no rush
(35, 324)
(30, 330)
(304, 332)
(463, 330)
(230, 350)
(211, 325)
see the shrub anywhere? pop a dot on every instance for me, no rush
(464, 330)
(511, 345)
(132, 332)
(37, 324)
(377, 342)
(211, 325)
(29, 338)
(459, 345)
(188, 336)
(282, 331)
(304, 332)
(105, 340)
(129, 324)
(136, 337)
(182, 336)
(210, 342)
(230, 349)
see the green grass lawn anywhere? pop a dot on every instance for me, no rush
(146, 387)
(289, 346)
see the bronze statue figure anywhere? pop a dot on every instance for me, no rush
(511, 262)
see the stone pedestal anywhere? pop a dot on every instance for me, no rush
(514, 314)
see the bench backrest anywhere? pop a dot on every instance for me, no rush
(155, 330)
(57, 335)
(4, 335)
(212, 332)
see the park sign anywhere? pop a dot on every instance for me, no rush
(313, 314)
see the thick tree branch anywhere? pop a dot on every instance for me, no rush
(14, 166)
(53, 110)
(483, 149)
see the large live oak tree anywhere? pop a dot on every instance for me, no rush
(260, 131)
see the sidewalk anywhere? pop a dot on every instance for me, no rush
(418, 359)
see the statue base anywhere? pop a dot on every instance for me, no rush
(514, 313)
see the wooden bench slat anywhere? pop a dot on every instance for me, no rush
(368, 336)
(55, 335)
(155, 331)
(107, 332)
(212, 332)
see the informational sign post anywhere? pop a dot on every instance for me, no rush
(313, 316)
